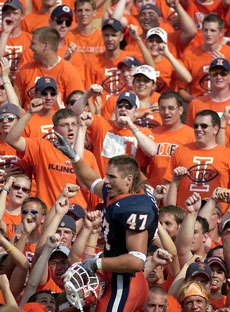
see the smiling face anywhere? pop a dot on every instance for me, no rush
(67, 127)
(127, 75)
(7, 123)
(205, 137)
(218, 278)
(148, 19)
(153, 43)
(49, 98)
(168, 222)
(37, 47)
(220, 78)
(62, 24)
(143, 86)
(85, 14)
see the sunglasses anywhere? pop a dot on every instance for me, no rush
(126, 105)
(9, 118)
(18, 187)
(215, 73)
(33, 211)
(202, 125)
(45, 93)
(60, 21)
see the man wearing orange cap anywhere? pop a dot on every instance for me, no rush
(193, 297)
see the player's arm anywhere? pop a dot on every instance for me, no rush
(223, 121)
(182, 72)
(148, 59)
(118, 13)
(84, 173)
(14, 137)
(79, 105)
(207, 210)
(6, 292)
(188, 26)
(3, 197)
(186, 231)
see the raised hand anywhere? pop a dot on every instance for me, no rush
(95, 90)
(53, 241)
(179, 173)
(5, 66)
(93, 220)
(85, 119)
(36, 105)
(133, 31)
(70, 190)
(160, 192)
(10, 181)
(62, 206)
(29, 224)
(161, 257)
(221, 194)
(3, 175)
(70, 51)
(193, 203)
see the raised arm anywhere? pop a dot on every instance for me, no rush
(183, 74)
(3, 197)
(148, 59)
(14, 137)
(159, 257)
(6, 292)
(84, 173)
(186, 231)
(79, 105)
(188, 26)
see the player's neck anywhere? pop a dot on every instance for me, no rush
(220, 95)
(112, 55)
(15, 33)
(145, 102)
(86, 30)
(157, 58)
(34, 235)
(211, 47)
(45, 112)
(61, 44)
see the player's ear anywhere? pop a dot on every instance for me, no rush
(129, 180)
(121, 37)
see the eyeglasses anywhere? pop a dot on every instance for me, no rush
(126, 105)
(202, 125)
(45, 93)
(60, 21)
(18, 187)
(170, 108)
(9, 118)
(26, 211)
(215, 73)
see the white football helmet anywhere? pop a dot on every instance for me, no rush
(82, 288)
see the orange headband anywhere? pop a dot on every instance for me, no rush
(194, 290)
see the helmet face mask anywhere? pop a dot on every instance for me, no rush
(82, 288)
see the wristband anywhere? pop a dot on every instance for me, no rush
(135, 130)
(76, 159)
(99, 263)
(5, 189)
(92, 187)
(10, 249)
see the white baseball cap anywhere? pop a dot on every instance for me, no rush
(158, 32)
(147, 71)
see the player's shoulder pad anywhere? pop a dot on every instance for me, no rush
(136, 212)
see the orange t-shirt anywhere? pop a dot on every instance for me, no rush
(29, 251)
(37, 4)
(204, 102)
(38, 126)
(227, 136)
(52, 170)
(197, 61)
(224, 13)
(11, 222)
(99, 67)
(109, 141)
(198, 10)
(16, 46)
(168, 143)
(87, 45)
(207, 168)
(35, 20)
(65, 74)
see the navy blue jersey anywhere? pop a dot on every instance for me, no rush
(136, 212)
